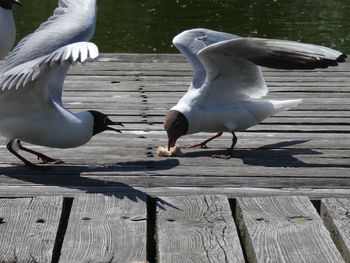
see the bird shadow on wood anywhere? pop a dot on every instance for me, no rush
(93, 178)
(272, 155)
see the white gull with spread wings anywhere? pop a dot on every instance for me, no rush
(228, 85)
(31, 83)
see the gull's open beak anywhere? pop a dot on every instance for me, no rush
(110, 122)
(17, 2)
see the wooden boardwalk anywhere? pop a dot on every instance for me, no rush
(282, 198)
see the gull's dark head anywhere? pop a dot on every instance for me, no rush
(7, 4)
(176, 125)
(102, 122)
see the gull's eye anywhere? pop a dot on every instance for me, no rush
(203, 38)
(176, 125)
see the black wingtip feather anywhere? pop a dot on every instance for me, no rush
(288, 60)
(342, 58)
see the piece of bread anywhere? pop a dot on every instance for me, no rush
(163, 151)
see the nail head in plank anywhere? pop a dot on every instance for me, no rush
(284, 229)
(28, 228)
(197, 229)
(106, 228)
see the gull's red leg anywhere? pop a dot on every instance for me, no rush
(44, 158)
(204, 143)
(24, 160)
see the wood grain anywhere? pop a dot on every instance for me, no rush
(106, 228)
(197, 229)
(336, 215)
(284, 229)
(28, 228)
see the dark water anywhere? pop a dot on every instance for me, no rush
(149, 25)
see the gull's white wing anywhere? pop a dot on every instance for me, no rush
(190, 42)
(48, 53)
(44, 67)
(232, 65)
(72, 21)
(27, 86)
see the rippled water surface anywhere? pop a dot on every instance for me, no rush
(148, 26)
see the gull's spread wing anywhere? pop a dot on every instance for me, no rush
(43, 67)
(233, 71)
(45, 55)
(72, 21)
(190, 42)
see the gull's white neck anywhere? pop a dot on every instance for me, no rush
(68, 129)
(7, 31)
(188, 105)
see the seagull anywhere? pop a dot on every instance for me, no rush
(31, 84)
(227, 90)
(8, 29)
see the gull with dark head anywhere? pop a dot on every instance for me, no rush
(227, 87)
(31, 84)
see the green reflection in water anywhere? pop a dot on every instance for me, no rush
(149, 25)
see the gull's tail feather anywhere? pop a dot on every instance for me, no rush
(281, 105)
(252, 112)
(262, 109)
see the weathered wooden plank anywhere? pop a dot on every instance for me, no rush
(109, 71)
(116, 94)
(28, 228)
(310, 100)
(230, 192)
(106, 228)
(262, 127)
(154, 70)
(267, 140)
(242, 165)
(316, 171)
(153, 83)
(336, 215)
(162, 107)
(197, 229)
(278, 120)
(284, 229)
(131, 180)
(136, 86)
(146, 98)
(245, 148)
(242, 158)
(186, 79)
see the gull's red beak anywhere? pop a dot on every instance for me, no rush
(171, 143)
